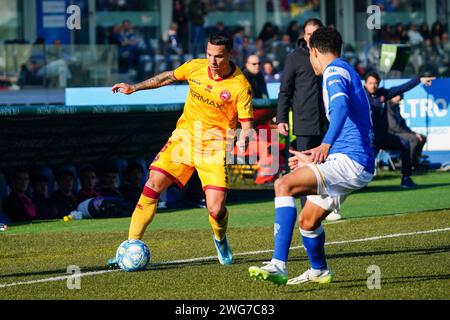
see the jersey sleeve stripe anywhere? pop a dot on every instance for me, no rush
(340, 94)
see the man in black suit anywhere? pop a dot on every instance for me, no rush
(378, 98)
(397, 126)
(301, 90)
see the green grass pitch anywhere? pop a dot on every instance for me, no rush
(406, 233)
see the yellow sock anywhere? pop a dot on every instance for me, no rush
(219, 226)
(143, 213)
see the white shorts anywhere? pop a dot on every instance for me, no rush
(337, 177)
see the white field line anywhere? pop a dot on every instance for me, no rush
(93, 273)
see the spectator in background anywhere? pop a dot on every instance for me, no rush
(218, 27)
(39, 68)
(17, 205)
(415, 38)
(196, 13)
(180, 17)
(446, 43)
(108, 179)
(425, 31)
(397, 126)
(64, 198)
(437, 30)
(238, 46)
(45, 208)
(88, 182)
(282, 50)
(131, 187)
(268, 35)
(115, 35)
(270, 73)
(173, 46)
(248, 48)
(259, 49)
(438, 48)
(293, 32)
(255, 77)
(400, 34)
(378, 97)
(129, 49)
(387, 35)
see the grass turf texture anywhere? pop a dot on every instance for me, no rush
(412, 267)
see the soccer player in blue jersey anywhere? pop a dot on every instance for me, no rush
(327, 174)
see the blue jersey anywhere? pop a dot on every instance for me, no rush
(348, 110)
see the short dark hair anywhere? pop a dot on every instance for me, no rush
(372, 74)
(326, 40)
(314, 22)
(221, 39)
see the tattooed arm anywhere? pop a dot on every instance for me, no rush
(160, 80)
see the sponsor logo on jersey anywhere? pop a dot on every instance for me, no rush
(332, 70)
(208, 88)
(225, 95)
(204, 100)
(196, 82)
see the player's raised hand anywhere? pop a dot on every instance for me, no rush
(318, 154)
(125, 88)
(298, 160)
(427, 80)
(283, 128)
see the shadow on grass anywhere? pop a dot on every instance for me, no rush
(238, 261)
(373, 189)
(58, 272)
(362, 283)
(296, 258)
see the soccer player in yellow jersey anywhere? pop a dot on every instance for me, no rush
(219, 96)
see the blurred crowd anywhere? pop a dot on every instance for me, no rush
(141, 55)
(52, 193)
(188, 32)
(430, 49)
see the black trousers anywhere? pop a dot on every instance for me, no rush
(303, 143)
(415, 146)
(394, 142)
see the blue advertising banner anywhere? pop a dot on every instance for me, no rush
(51, 20)
(426, 110)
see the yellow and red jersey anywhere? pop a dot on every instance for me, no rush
(199, 141)
(217, 103)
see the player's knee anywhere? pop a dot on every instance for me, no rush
(155, 184)
(306, 223)
(216, 211)
(281, 187)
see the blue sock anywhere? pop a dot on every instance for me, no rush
(314, 243)
(285, 215)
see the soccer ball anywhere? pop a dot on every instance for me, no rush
(133, 255)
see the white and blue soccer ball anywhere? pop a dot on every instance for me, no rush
(133, 255)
